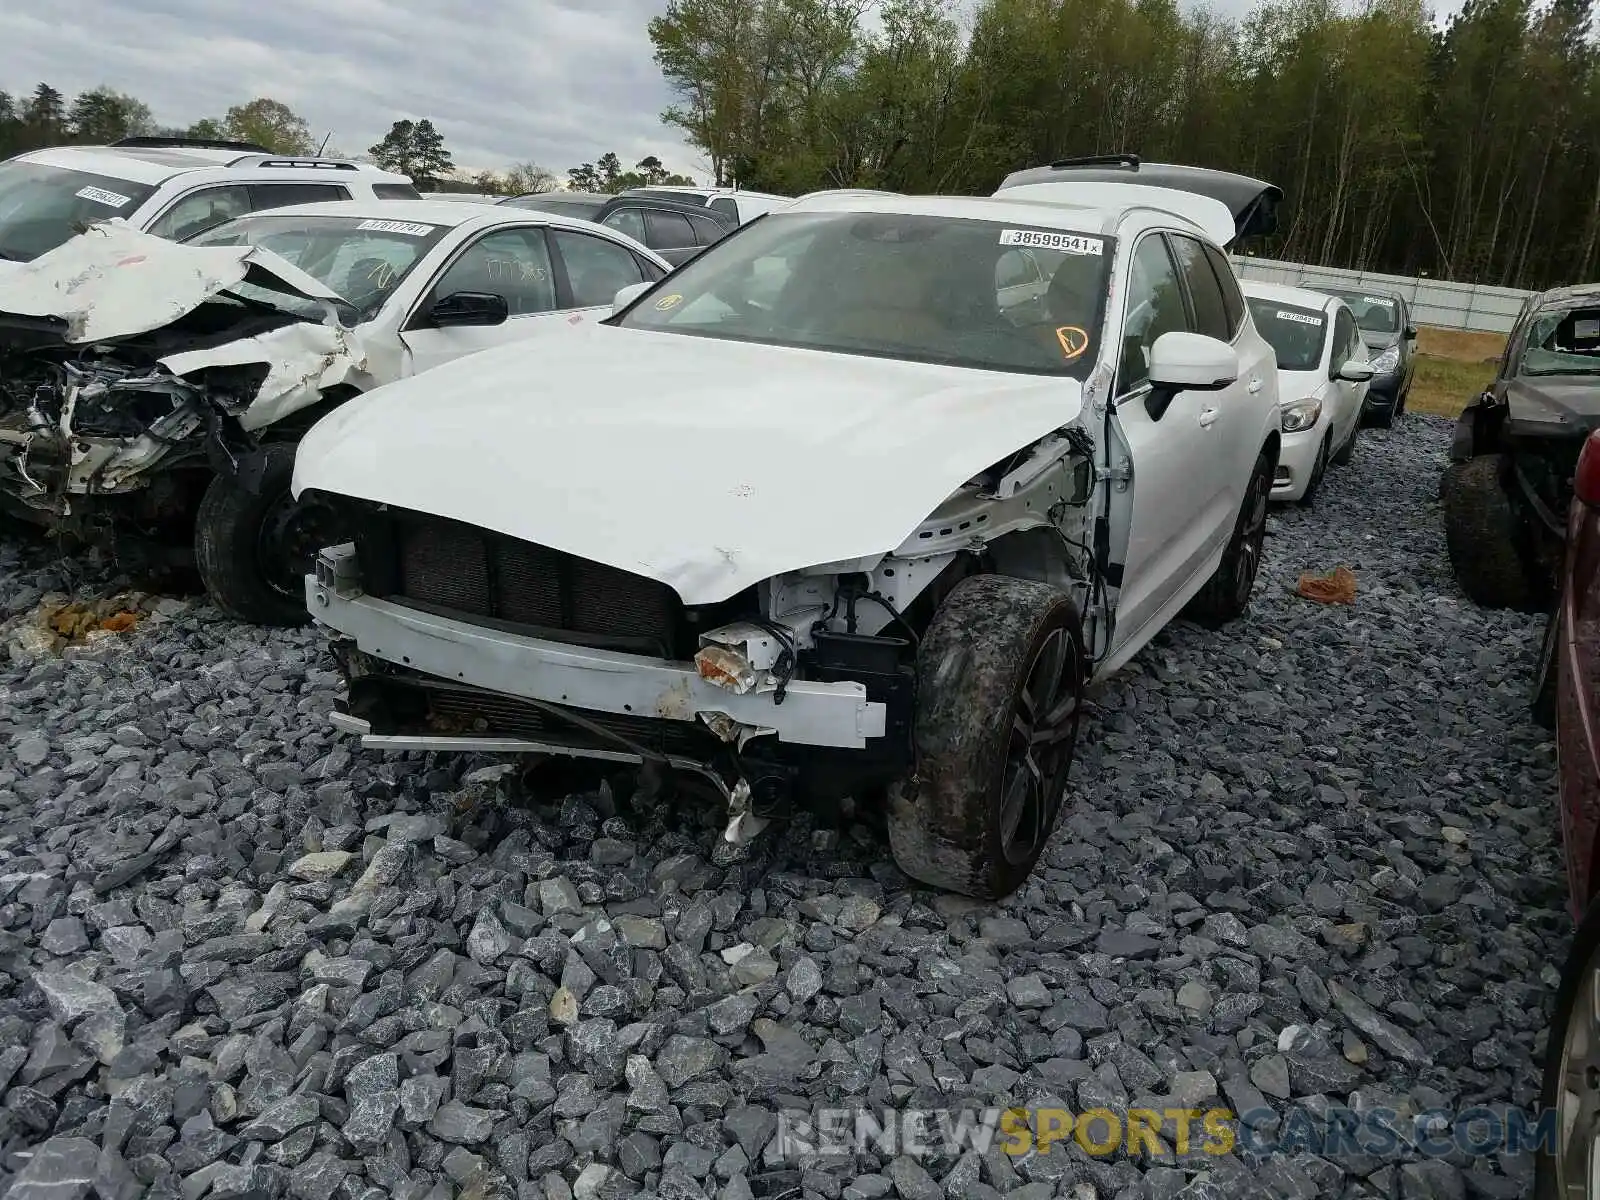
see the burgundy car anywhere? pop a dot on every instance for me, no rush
(1568, 690)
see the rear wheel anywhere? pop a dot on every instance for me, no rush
(1482, 533)
(1000, 678)
(255, 549)
(1226, 594)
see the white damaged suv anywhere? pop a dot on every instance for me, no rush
(838, 508)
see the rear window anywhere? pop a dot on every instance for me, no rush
(42, 206)
(1295, 334)
(395, 191)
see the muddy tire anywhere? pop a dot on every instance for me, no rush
(1226, 595)
(253, 549)
(1000, 677)
(1482, 533)
(1542, 701)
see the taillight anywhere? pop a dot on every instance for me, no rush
(1586, 483)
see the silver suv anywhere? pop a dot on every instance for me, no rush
(168, 186)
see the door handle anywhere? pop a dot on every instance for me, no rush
(1255, 386)
(1207, 416)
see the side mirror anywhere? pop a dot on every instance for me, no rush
(1188, 362)
(628, 295)
(1411, 333)
(469, 308)
(1355, 371)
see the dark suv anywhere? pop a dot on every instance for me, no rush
(673, 230)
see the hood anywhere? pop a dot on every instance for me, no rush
(707, 465)
(1378, 342)
(113, 282)
(1300, 385)
(1251, 205)
(1554, 405)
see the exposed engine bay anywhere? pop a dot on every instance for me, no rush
(107, 388)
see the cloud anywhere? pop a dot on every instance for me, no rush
(557, 82)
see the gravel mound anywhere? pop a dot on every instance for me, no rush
(1311, 861)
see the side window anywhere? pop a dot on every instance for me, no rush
(596, 269)
(199, 211)
(667, 230)
(1155, 306)
(1205, 293)
(648, 270)
(281, 195)
(629, 221)
(725, 204)
(513, 263)
(1344, 340)
(395, 191)
(707, 231)
(1232, 299)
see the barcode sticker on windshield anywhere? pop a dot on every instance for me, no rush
(1377, 300)
(1285, 315)
(1068, 243)
(101, 196)
(402, 227)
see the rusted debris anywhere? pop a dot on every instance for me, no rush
(59, 622)
(1336, 587)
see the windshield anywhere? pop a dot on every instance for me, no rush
(361, 259)
(1373, 314)
(1563, 343)
(42, 206)
(924, 288)
(1295, 334)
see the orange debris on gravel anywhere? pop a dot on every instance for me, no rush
(1336, 587)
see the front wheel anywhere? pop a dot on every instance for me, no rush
(1318, 470)
(1347, 451)
(255, 549)
(1000, 678)
(1226, 595)
(1483, 534)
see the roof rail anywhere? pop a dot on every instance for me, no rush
(151, 142)
(1130, 161)
(323, 164)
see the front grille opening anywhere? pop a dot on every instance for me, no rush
(460, 570)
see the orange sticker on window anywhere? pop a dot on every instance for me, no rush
(1074, 341)
(666, 302)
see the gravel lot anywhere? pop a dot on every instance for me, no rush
(1311, 860)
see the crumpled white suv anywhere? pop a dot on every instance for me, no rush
(837, 508)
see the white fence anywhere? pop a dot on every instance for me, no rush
(1435, 302)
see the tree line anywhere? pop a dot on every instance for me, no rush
(45, 117)
(1470, 153)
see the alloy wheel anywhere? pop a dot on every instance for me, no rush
(1044, 733)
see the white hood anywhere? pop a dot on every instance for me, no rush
(113, 281)
(1300, 385)
(708, 465)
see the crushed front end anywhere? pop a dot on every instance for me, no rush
(83, 429)
(451, 637)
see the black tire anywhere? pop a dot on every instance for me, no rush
(1226, 595)
(979, 808)
(249, 546)
(1543, 700)
(1318, 470)
(1347, 451)
(1482, 533)
(1576, 978)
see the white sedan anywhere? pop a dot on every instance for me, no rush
(844, 511)
(1322, 381)
(170, 382)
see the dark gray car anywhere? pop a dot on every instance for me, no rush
(1385, 322)
(674, 230)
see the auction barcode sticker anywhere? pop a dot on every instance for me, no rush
(1284, 314)
(101, 196)
(403, 227)
(1069, 243)
(1383, 300)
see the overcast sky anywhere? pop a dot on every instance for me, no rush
(557, 82)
